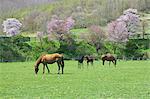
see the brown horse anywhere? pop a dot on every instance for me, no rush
(49, 59)
(80, 61)
(89, 59)
(109, 57)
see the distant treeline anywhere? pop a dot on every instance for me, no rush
(19, 48)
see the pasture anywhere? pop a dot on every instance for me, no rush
(131, 79)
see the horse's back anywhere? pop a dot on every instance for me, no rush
(102, 56)
(51, 57)
(108, 57)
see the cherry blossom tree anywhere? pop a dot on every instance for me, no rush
(125, 26)
(97, 36)
(60, 27)
(11, 26)
(117, 31)
(94, 36)
(122, 28)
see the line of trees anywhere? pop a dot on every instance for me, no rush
(58, 37)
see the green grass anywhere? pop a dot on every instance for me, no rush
(130, 80)
(79, 31)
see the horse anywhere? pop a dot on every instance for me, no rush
(49, 59)
(80, 61)
(109, 57)
(89, 59)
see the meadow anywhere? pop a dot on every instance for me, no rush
(129, 80)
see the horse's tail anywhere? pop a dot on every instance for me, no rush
(115, 61)
(62, 61)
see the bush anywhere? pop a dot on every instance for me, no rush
(134, 49)
(44, 46)
(84, 48)
(13, 48)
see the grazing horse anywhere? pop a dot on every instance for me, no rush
(109, 57)
(80, 61)
(49, 59)
(89, 59)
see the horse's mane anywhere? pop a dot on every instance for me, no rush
(39, 59)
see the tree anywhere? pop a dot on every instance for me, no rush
(125, 26)
(11, 26)
(60, 27)
(96, 36)
(117, 31)
(122, 28)
(144, 25)
(40, 36)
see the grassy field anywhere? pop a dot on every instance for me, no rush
(130, 80)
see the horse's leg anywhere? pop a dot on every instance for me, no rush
(82, 65)
(43, 68)
(114, 62)
(79, 65)
(109, 63)
(47, 68)
(103, 62)
(58, 67)
(87, 64)
(62, 67)
(92, 62)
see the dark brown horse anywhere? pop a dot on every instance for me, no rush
(80, 61)
(49, 59)
(109, 57)
(90, 59)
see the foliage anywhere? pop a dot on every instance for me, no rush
(132, 50)
(14, 48)
(97, 36)
(46, 47)
(11, 26)
(94, 36)
(84, 48)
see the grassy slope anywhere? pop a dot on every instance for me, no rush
(129, 80)
(21, 13)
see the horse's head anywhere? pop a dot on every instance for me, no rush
(36, 68)
(86, 56)
(103, 57)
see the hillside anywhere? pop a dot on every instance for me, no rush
(35, 14)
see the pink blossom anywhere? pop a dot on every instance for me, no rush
(123, 27)
(11, 26)
(60, 27)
